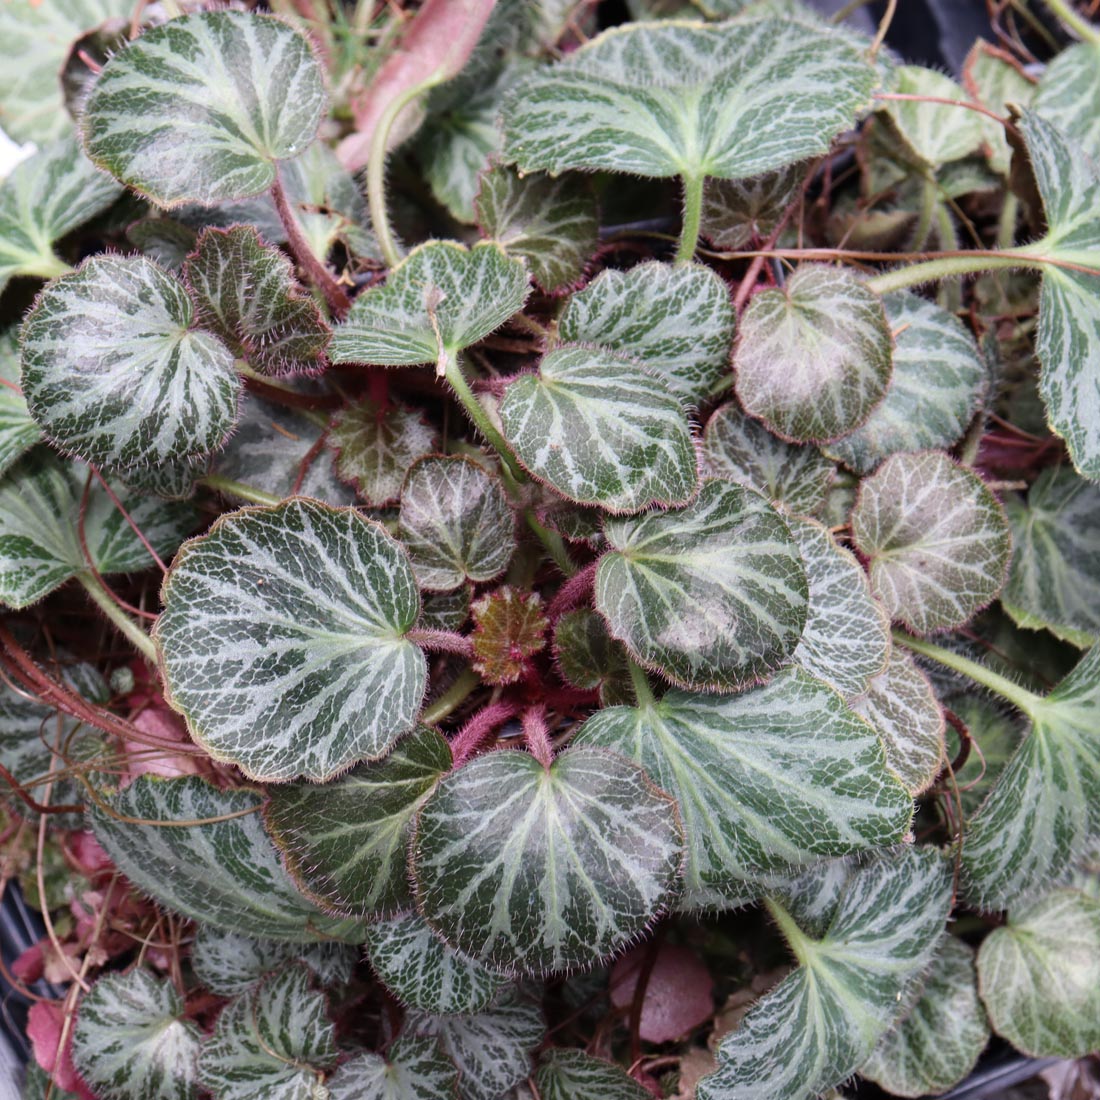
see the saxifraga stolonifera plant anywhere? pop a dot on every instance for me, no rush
(510, 634)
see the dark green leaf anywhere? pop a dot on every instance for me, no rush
(574, 1075)
(18, 431)
(589, 658)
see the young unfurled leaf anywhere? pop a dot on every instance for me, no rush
(820, 1024)
(936, 387)
(1045, 807)
(846, 641)
(679, 99)
(738, 212)
(1040, 975)
(18, 431)
(226, 873)
(509, 628)
(760, 788)
(456, 523)
(601, 430)
(551, 223)
(245, 293)
(574, 1075)
(412, 1069)
(44, 198)
(529, 868)
(345, 842)
(589, 658)
(677, 319)
(938, 1042)
(420, 970)
(375, 448)
(814, 358)
(1054, 581)
(741, 449)
(273, 1043)
(1067, 97)
(283, 643)
(131, 1041)
(903, 709)
(711, 595)
(115, 372)
(440, 299)
(491, 1049)
(202, 108)
(937, 540)
(39, 528)
(231, 963)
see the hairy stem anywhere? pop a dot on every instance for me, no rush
(441, 641)
(1080, 27)
(239, 489)
(796, 939)
(693, 216)
(453, 373)
(976, 264)
(554, 543)
(134, 634)
(476, 732)
(537, 735)
(643, 693)
(452, 698)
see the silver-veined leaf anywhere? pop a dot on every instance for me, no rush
(600, 429)
(738, 212)
(846, 641)
(551, 223)
(226, 873)
(245, 293)
(683, 99)
(1054, 582)
(938, 1042)
(440, 299)
(491, 1049)
(376, 446)
(231, 963)
(37, 40)
(527, 868)
(345, 842)
(713, 595)
(18, 431)
(115, 372)
(420, 970)
(445, 610)
(43, 198)
(741, 449)
(40, 547)
(412, 1069)
(1040, 975)
(574, 1075)
(813, 359)
(1067, 95)
(903, 708)
(589, 658)
(936, 538)
(1045, 807)
(994, 78)
(272, 1043)
(937, 385)
(202, 108)
(820, 1024)
(131, 1041)
(774, 777)
(676, 318)
(455, 522)
(282, 640)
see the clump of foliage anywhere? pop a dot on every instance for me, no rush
(544, 658)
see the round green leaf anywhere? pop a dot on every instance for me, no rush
(574, 1075)
(534, 869)
(455, 522)
(282, 640)
(743, 450)
(589, 658)
(847, 637)
(1040, 976)
(1054, 582)
(936, 538)
(412, 1069)
(131, 1041)
(676, 318)
(600, 429)
(345, 842)
(713, 595)
(273, 1043)
(814, 358)
(420, 970)
(738, 212)
(936, 387)
(114, 372)
(201, 109)
(758, 786)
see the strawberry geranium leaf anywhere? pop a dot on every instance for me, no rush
(574, 1075)
(412, 1069)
